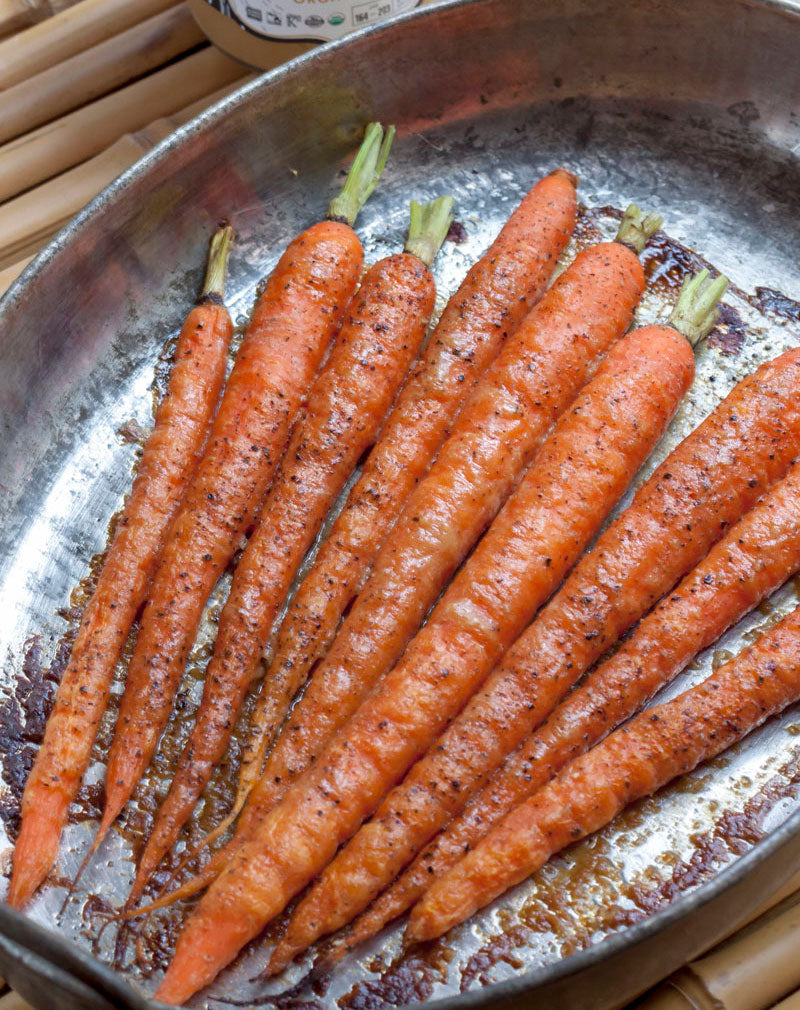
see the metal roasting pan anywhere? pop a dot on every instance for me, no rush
(691, 109)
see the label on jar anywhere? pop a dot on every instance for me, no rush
(321, 20)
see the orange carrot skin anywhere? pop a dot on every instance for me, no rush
(169, 460)
(291, 327)
(757, 556)
(657, 746)
(379, 340)
(495, 296)
(581, 472)
(707, 482)
(536, 538)
(534, 378)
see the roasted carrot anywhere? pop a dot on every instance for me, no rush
(582, 469)
(712, 478)
(293, 322)
(169, 460)
(752, 560)
(488, 306)
(346, 405)
(654, 748)
(372, 859)
(538, 372)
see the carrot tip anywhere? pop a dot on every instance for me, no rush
(636, 228)
(428, 228)
(696, 310)
(217, 268)
(364, 174)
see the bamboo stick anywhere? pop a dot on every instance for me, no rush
(13, 1001)
(790, 1003)
(7, 278)
(749, 971)
(18, 14)
(70, 32)
(98, 70)
(29, 221)
(83, 133)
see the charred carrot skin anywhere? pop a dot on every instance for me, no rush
(292, 325)
(657, 746)
(495, 296)
(499, 430)
(169, 459)
(559, 505)
(707, 483)
(379, 340)
(756, 557)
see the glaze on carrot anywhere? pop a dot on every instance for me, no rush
(533, 379)
(293, 322)
(636, 760)
(433, 789)
(754, 558)
(378, 341)
(169, 460)
(489, 305)
(574, 482)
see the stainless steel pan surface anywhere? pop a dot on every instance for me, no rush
(691, 110)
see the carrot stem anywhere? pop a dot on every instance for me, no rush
(364, 174)
(696, 310)
(219, 251)
(636, 228)
(428, 228)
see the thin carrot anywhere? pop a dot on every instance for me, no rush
(582, 469)
(654, 748)
(377, 343)
(293, 322)
(489, 305)
(538, 372)
(752, 560)
(403, 823)
(169, 460)
(716, 474)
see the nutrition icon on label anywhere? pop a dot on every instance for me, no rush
(309, 19)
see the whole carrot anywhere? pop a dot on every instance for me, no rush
(169, 460)
(488, 306)
(536, 375)
(377, 343)
(752, 560)
(634, 761)
(713, 477)
(580, 472)
(293, 322)
(414, 810)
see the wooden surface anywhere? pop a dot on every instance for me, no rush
(86, 89)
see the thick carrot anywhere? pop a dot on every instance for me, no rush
(293, 322)
(755, 557)
(582, 469)
(413, 811)
(489, 305)
(715, 475)
(654, 748)
(377, 343)
(169, 460)
(533, 379)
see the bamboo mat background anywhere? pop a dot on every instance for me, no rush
(87, 88)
